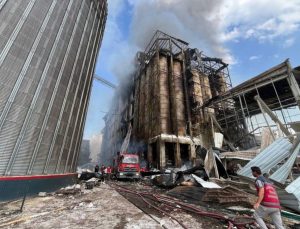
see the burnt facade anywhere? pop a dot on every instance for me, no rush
(163, 103)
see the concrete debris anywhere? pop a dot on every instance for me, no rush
(79, 212)
(42, 194)
(93, 180)
(103, 207)
(91, 183)
(69, 190)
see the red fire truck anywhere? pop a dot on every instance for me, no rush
(127, 165)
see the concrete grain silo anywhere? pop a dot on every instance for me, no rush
(169, 86)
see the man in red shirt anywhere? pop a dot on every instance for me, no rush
(108, 171)
(267, 203)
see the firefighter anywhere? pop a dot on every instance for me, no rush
(267, 203)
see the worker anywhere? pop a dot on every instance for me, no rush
(108, 172)
(102, 169)
(102, 172)
(97, 174)
(97, 169)
(267, 203)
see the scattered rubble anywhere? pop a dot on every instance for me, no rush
(179, 207)
(42, 194)
(69, 190)
(101, 207)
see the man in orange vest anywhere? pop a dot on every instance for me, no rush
(267, 203)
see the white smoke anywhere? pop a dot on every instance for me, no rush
(95, 146)
(208, 25)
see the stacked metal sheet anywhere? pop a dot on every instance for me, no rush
(269, 157)
(283, 172)
(294, 188)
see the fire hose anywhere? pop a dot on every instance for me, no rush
(175, 204)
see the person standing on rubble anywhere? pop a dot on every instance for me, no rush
(267, 203)
(108, 172)
(97, 169)
(102, 169)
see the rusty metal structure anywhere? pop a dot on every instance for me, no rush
(164, 102)
(240, 115)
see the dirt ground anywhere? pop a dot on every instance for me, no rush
(102, 207)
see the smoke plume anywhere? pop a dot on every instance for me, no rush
(95, 146)
(197, 22)
(208, 25)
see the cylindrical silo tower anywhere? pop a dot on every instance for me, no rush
(48, 50)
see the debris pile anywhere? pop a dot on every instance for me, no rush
(167, 206)
(69, 190)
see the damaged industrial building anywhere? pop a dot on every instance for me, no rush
(162, 100)
(180, 101)
(179, 107)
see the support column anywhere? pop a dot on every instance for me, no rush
(186, 96)
(265, 109)
(177, 155)
(192, 153)
(149, 153)
(173, 102)
(293, 84)
(162, 153)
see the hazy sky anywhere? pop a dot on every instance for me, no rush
(251, 35)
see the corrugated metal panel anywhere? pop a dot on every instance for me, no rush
(24, 145)
(54, 104)
(76, 136)
(21, 88)
(2, 3)
(268, 158)
(282, 173)
(294, 188)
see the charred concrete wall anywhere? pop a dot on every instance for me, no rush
(164, 103)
